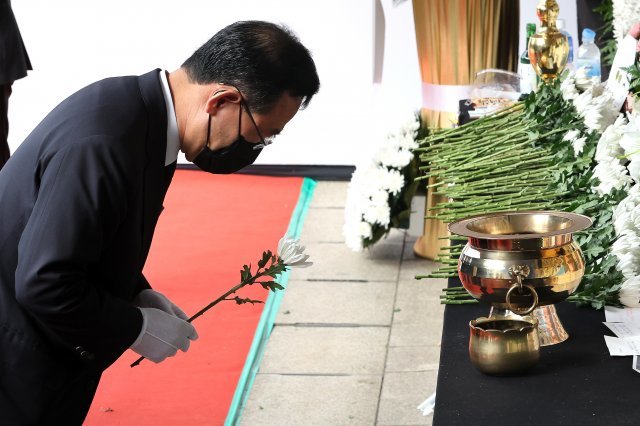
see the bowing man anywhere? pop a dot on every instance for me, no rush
(80, 198)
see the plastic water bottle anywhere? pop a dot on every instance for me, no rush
(526, 72)
(588, 58)
(562, 28)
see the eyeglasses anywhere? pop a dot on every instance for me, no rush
(243, 103)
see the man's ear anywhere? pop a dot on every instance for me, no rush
(220, 98)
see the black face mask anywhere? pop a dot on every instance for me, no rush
(236, 156)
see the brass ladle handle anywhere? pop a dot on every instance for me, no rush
(519, 286)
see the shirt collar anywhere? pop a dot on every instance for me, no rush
(173, 140)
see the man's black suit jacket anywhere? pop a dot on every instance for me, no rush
(14, 61)
(79, 201)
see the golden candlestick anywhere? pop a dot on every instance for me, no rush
(548, 48)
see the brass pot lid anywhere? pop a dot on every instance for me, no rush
(520, 225)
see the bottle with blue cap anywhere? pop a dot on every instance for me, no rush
(588, 58)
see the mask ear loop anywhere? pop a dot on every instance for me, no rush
(206, 145)
(240, 119)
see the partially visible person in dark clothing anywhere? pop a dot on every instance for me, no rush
(14, 63)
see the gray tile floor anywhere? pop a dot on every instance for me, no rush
(356, 340)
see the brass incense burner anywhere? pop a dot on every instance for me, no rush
(548, 48)
(521, 263)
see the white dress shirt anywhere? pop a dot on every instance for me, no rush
(173, 140)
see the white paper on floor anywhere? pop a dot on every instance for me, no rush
(427, 406)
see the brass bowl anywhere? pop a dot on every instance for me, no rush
(503, 346)
(521, 260)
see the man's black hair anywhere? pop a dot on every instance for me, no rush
(262, 59)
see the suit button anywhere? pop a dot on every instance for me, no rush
(85, 354)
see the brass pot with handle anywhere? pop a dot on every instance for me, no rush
(519, 261)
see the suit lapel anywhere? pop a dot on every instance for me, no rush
(154, 186)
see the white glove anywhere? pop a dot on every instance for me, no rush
(162, 335)
(152, 299)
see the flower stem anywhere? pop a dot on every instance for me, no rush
(250, 280)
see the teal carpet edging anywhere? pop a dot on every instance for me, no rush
(271, 306)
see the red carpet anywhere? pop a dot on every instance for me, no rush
(210, 227)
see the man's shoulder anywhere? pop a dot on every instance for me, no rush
(116, 100)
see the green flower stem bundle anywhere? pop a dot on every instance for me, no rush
(493, 164)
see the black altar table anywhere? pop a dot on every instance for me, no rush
(575, 383)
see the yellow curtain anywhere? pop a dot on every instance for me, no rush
(456, 39)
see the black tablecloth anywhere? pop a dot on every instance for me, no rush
(575, 383)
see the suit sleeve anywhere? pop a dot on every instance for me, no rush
(141, 284)
(80, 203)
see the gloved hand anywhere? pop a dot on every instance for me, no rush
(152, 299)
(162, 335)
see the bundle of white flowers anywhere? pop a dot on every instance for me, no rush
(374, 186)
(617, 168)
(610, 167)
(626, 248)
(625, 14)
(593, 103)
(618, 151)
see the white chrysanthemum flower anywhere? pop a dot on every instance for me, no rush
(578, 145)
(622, 213)
(352, 239)
(627, 250)
(411, 127)
(626, 243)
(364, 230)
(629, 294)
(602, 115)
(582, 101)
(379, 198)
(377, 214)
(568, 88)
(630, 142)
(407, 142)
(370, 176)
(612, 175)
(596, 106)
(292, 253)
(394, 158)
(628, 264)
(393, 182)
(608, 147)
(622, 223)
(635, 219)
(583, 81)
(634, 170)
(571, 135)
